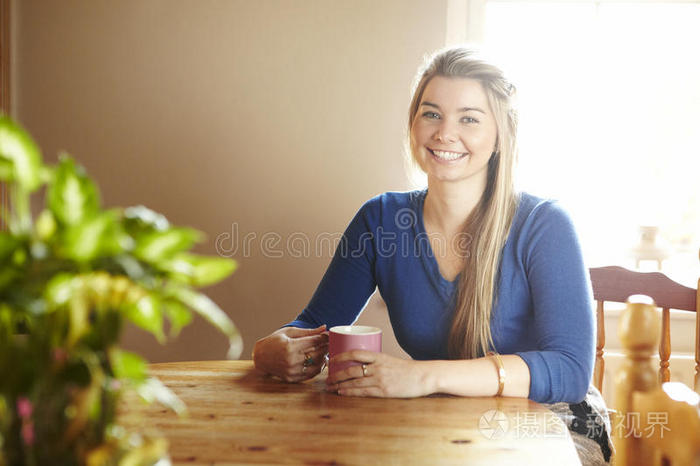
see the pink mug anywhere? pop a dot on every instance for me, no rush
(344, 338)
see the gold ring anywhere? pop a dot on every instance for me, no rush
(308, 360)
(364, 370)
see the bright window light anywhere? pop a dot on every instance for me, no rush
(609, 97)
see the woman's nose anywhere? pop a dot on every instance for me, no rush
(445, 133)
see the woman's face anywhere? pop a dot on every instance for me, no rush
(454, 131)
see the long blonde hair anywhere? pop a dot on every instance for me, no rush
(489, 223)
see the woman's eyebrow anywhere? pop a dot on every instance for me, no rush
(463, 109)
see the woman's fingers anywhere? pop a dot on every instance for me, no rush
(357, 384)
(283, 353)
(367, 357)
(349, 373)
(363, 391)
(299, 349)
(296, 332)
(364, 357)
(306, 354)
(308, 343)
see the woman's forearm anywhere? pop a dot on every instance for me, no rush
(477, 377)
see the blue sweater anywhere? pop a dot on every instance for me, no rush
(543, 310)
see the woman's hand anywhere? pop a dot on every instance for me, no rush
(292, 354)
(384, 376)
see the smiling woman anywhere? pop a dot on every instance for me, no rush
(506, 310)
(453, 136)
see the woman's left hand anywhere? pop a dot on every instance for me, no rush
(384, 376)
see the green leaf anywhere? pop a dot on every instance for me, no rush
(119, 290)
(79, 311)
(45, 225)
(162, 245)
(59, 290)
(208, 309)
(130, 266)
(146, 218)
(99, 288)
(147, 313)
(235, 347)
(198, 270)
(178, 315)
(8, 243)
(72, 196)
(127, 365)
(7, 326)
(7, 276)
(154, 390)
(92, 238)
(17, 147)
(7, 169)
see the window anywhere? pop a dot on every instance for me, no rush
(609, 97)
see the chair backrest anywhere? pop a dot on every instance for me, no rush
(616, 284)
(653, 422)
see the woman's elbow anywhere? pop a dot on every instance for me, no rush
(579, 383)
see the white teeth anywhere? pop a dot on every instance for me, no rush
(448, 155)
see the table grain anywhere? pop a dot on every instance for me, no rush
(237, 415)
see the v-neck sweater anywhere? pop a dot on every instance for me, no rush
(543, 307)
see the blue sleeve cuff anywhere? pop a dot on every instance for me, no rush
(300, 324)
(546, 381)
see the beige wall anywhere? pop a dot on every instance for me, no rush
(278, 116)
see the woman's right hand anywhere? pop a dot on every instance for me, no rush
(284, 352)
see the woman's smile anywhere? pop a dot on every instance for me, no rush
(447, 156)
(454, 131)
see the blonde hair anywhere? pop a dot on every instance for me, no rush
(489, 223)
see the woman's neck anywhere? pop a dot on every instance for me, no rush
(449, 204)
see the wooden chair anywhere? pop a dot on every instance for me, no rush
(654, 424)
(616, 284)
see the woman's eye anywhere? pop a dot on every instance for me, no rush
(431, 115)
(467, 119)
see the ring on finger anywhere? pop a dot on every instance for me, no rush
(364, 370)
(303, 369)
(308, 360)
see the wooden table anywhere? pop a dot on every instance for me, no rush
(239, 416)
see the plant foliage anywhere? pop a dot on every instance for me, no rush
(69, 279)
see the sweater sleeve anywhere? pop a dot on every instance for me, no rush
(349, 280)
(563, 326)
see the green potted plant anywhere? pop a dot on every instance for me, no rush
(69, 280)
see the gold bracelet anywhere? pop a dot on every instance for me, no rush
(501, 371)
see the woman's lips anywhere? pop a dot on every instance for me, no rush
(447, 156)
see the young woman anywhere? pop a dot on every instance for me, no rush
(486, 287)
